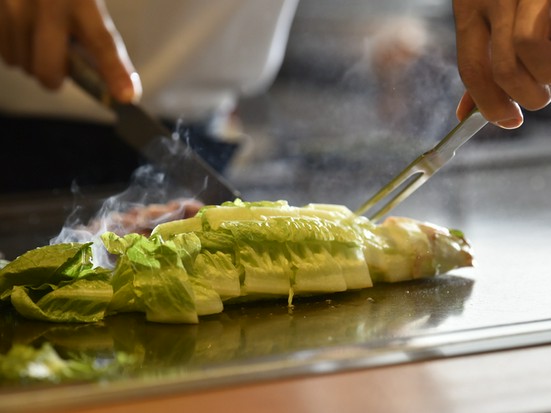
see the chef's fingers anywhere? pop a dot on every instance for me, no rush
(5, 34)
(532, 38)
(465, 106)
(96, 32)
(475, 69)
(508, 71)
(14, 30)
(22, 15)
(50, 42)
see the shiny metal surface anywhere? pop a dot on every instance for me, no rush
(501, 303)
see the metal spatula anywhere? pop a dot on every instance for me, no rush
(421, 169)
(140, 130)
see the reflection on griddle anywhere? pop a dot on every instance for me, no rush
(249, 331)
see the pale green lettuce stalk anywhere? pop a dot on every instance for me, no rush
(277, 249)
(266, 268)
(219, 270)
(402, 249)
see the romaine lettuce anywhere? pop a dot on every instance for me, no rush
(231, 252)
(57, 283)
(46, 265)
(315, 270)
(219, 269)
(83, 300)
(151, 277)
(266, 268)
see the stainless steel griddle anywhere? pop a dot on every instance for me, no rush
(502, 303)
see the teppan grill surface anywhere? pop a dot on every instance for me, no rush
(501, 303)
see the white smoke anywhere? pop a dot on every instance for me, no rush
(148, 201)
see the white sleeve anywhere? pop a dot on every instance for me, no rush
(195, 57)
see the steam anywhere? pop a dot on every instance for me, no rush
(148, 201)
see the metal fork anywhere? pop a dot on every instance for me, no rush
(422, 168)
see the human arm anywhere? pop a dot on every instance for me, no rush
(503, 50)
(35, 35)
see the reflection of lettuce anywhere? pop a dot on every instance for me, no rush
(234, 252)
(24, 363)
(387, 311)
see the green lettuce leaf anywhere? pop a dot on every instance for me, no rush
(166, 295)
(51, 264)
(354, 268)
(83, 300)
(207, 300)
(284, 229)
(315, 270)
(57, 283)
(266, 268)
(219, 269)
(151, 276)
(226, 253)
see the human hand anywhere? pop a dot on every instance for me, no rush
(504, 57)
(35, 35)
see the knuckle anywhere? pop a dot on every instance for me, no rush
(471, 73)
(531, 53)
(522, 41)
(504, 72)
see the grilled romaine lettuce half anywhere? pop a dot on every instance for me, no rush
(233, 252)
(275, 249)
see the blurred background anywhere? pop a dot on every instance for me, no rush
(364, 89)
